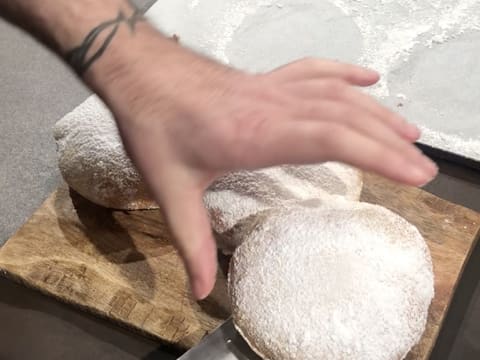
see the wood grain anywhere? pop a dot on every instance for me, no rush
(121, 265)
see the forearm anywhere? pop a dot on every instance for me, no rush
(96, 37)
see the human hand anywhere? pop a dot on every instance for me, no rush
(185, 120)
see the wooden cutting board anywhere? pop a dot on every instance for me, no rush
(120, 264)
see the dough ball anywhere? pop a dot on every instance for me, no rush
(93, 161)
(342, 281)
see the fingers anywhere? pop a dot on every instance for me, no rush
(311, 68)
(311, 141)
(190, 225)
(395, 121)
(323, 118)
(313, 90)
(361, 121)
(314, 78)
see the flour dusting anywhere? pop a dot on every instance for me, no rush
(234, 15)
(93, 161)
(390, 29)
(194, 4)
(343, 281)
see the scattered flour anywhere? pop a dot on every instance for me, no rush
(455, 144)
(233, 17)
(194, 4)
(390, 28)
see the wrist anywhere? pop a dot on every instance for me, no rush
(130, 59)
(149, 65)
(68, 23)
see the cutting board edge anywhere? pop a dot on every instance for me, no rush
(475, 243)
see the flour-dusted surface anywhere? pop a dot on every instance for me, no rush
(466, 146)
(387, 35)
(440, 88)
(93, 161)
(350, 281)
(234, 200)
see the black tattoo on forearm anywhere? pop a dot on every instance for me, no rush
(78, 57)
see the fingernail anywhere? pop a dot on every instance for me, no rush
(198, 290)
(418, 174)
(412, 126)
(427, 181)
(431, 167)
(423, 172)
(372, 72)
(413, 130)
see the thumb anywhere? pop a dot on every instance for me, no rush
(190, 226)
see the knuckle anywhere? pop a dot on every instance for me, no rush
(394, 159)
(264, 90)
(269, 94)
(309, 61)
(327, 133)
(342, 113)
(247, 132)
(255, 126)
(346, 113)
(313, 111)
(317, 64)
(395, 119)
(353, 71)
(337, 88)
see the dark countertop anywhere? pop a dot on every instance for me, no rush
(35, 91)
